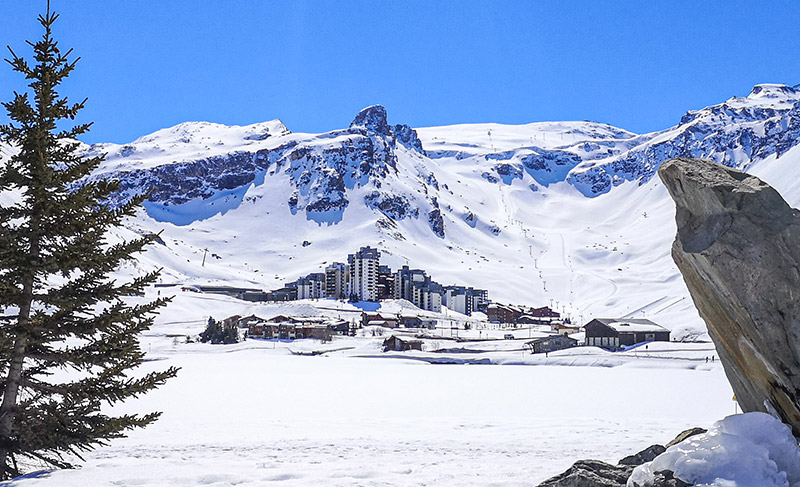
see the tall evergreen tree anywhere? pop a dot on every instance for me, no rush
(68, 341)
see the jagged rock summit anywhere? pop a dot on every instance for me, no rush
(374, 119)
(738, 248)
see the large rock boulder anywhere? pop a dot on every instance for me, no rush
(594, 473)
(738, 248)
(591, 473)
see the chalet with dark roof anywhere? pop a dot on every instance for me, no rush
(551, 343)
(615, 333)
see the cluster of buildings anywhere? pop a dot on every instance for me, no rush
(363, 278)
(521, 315)
(289, 327)
(610, 334)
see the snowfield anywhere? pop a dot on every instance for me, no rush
(253, 413)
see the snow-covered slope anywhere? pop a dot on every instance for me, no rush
(567, 213)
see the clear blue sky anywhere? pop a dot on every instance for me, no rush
(638, 65)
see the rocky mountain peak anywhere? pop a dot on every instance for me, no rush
(373, 119)
(773, 90)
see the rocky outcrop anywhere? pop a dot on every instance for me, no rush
(594, 473)
(738, 248)
(591, 473)
(644, 456)
(435, 220)
(686, 435)
(374, 120)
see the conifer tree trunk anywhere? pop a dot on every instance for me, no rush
(8, 407)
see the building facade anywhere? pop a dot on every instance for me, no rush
(363, 270)
(404, 280)
(385, 282)
(427, 295)
(313, 286)
(336, 277)
(613, 334)
(465, 300)
(503, 313)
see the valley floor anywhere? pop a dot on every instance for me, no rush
(251, 414)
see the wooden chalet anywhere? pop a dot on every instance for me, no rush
(503, 313)
(340, 327)
(613, 334)
(285, 327)
(398, 344)
(544, 312)
(372, 318)
(551, 343)
(564, 328)
(248, 320)
(290, 331)
(231, 320)
(411, 321)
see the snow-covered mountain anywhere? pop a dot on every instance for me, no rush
(561, 212)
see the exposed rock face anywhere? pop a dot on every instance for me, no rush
(373, 119)
(591, 473)
(738, 248)
(685, 435)
(644, 456)
(594, 473)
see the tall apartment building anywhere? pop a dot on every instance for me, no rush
(312, 286)
(457, 299)
(364, 266)
(403, 282)
(336, 277)
(427, 295)
(385, 282)
(465, 300)
(480, 300)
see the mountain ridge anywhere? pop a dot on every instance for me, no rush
(562, 213)
(593, 159)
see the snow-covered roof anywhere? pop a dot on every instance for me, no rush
(550, 337)
(632, 325)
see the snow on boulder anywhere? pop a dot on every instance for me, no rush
(745, 450)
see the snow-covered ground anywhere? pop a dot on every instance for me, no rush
(255, 414)
(752, 449)
(261, 413)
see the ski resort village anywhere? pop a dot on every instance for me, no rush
(408, 311)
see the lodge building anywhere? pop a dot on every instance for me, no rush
(615, 333)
